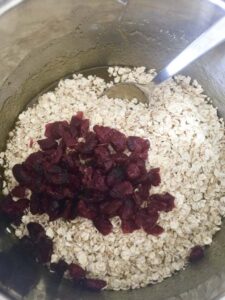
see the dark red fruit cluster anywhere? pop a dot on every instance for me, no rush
(95, 174)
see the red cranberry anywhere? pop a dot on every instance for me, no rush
(118, 141)
(115, 176)
(121, 190)
(104, 134)
(60, 267)
(94, 284)
(127, 210)
(75, 124)
(154, 177)
(103, 225)
(47, 144)
(84, 128)
(128, 226)
(86, 211)
(36, 231)
(19, 191)
(44, 250)
(76, 272)
(155, 230)
(133, 171)
(137, 144)
(111, 207)
(90, 144)
(196, 254)
(21, 175)
(99, 183)
(52, 130)
(164, 202)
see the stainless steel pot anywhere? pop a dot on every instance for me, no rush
(44, 40)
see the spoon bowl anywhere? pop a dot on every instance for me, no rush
(205, 42)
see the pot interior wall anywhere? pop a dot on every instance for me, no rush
(88, 34)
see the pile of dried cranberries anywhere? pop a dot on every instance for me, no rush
(95, 174)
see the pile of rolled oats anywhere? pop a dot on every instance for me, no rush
(187, 143)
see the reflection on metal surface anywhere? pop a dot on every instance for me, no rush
(5, 5)
(220, 3)
(208, 40)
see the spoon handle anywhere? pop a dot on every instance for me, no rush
(205, 42)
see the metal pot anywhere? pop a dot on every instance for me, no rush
(44, 40)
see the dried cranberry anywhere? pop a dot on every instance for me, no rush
(155, 230)
(143, 191)
(69, 212)
(121, 190)
(94, 284)
(75, 124)
(102, 152)
(103, 225)
(164, 202)
(104, 134)
(19, 191)
(98, 182)
(53, 208)
(127, 210)
(60, 267)
(35, 204)
(149, 222)
(68, 139)
(52, 130)
(59, 179)
(120, 158)
(47, 144)
(137, 144)
(94, 196)
(118, 141)
(128, 226)
(111, 207)
(7, 205)
(196, 254)
(76, 272)
(115, 176)
(36, 231)
(133, 171)
(90, 144)
(137, 199)
(140, 215)
(85, 210)
(34, 161)
(21, 175)
(87, 177)
(154, 177)
(56, 155)
(44, 249)
(84, 128)
(104, 164)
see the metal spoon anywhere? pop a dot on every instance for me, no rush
(205, 42)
